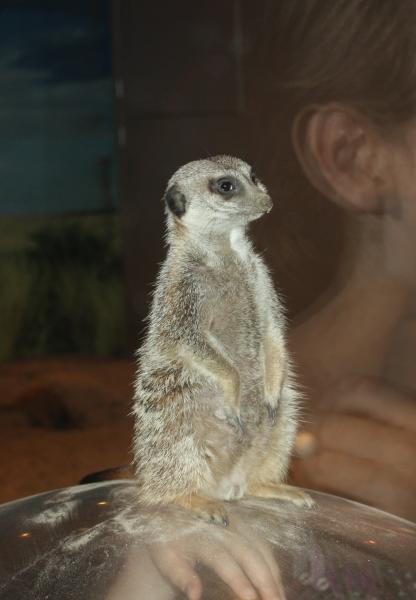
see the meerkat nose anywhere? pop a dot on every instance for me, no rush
(266, 203)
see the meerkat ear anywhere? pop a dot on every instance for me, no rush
(175, 201)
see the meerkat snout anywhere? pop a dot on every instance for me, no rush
(265, 203)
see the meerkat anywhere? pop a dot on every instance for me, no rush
(215, 400)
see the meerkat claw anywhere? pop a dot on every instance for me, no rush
(233, 419)
(272, 410)
(206, 509)
(214, 514)
(224, 520)
(237, 423)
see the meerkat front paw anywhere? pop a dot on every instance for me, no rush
(207, 509)
(232, 417)
(272, 412)
(281, 491)
(272, 405)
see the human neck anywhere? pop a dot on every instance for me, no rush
(357, 318)
(379, 250)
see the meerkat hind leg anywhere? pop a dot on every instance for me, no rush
(207, 509)
(281, 491)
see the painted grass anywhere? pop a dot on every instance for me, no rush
(62, 289)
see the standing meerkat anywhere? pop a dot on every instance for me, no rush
(215, 403)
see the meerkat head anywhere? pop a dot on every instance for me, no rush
(216, 194)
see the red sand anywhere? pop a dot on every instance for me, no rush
(91, 397)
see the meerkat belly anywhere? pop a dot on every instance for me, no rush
(238, 331)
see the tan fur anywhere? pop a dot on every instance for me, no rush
(215, 403)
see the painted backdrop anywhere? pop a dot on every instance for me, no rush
(57, 149)
(59, 240)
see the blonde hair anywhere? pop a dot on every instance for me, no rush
(361, 53)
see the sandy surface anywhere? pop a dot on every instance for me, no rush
(60, 420)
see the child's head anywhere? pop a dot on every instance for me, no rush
(358, 52)
(333, 86)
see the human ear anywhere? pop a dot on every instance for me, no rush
(342, 155)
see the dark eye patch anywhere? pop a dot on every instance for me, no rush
(225, 186)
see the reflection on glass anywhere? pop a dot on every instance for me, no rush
(332, 87)
(122, 551)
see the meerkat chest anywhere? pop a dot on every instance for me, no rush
(236, 314)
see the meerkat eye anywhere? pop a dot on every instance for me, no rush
(254, 177)
(225, 186)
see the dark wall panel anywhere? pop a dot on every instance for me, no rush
(180, 96)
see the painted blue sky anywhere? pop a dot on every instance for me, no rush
(57, 131)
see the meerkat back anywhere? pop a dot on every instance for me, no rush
(215, 402)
